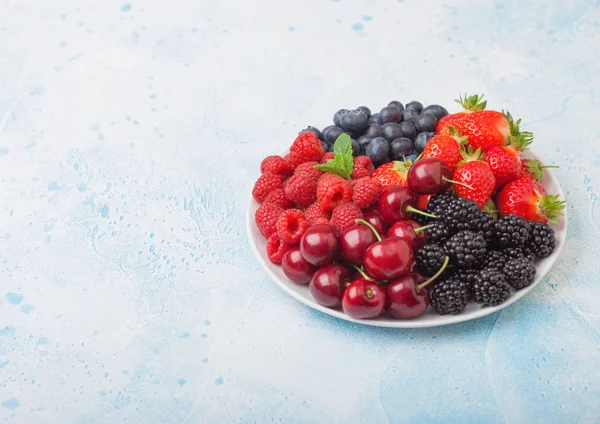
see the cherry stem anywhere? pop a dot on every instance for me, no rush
(420, 212)
(437, 274)
(458, 183)
(362, 273)
(420, 229)
(369, 293)
(368, 224)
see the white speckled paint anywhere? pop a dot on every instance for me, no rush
(130, 136)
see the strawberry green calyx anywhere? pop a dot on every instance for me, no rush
(518, 139)
(550, 206)
(469, 155)
(461, 139)
(342, 163)
(537, 169)
(403, 166)
(472, 103)
(490, 208)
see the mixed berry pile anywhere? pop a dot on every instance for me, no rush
(409, 207)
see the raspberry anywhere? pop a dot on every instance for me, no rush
(291, 226)
(319, 221)
(363, 167)
(276, 165)
(307, 147)
(266, 217)
(265, 184)
(332, 190)
(276, 248)
(301, 189)
(366, 192)
(326, 157)
(314, 212)
(308, 168)
(278, 197)
(345, 215)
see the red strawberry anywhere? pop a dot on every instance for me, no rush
(473, 178)
(504, 160)
(533, 169)
(392, 174)
(528, 198)
(469, 104)
(446, 148)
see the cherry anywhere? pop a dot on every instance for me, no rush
(373, 217)
(319, 245)
(411, 232)
(363, 299)
(430, 176)
(408, 297)
(296, 268)
(396, 204)
(354, 242)
(423, 201)
(389, 258)
(328, 284)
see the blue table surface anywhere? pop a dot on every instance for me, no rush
(131, 134)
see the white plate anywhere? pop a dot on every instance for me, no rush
(430, 318)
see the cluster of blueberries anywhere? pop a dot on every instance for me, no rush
(396, 132)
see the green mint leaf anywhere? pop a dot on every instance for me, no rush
(342, 149)
(334, 166)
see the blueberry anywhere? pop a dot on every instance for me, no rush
(408, 114)
(330, 149)
(391, 131)
(425, 123)
(412, 157)
(436, 110)
(354, 122)
(414, 105)
(364, 110)
(338, 116)
(355, 148)
(400, 147)
(363, 142)
(397, 104)
(331, 133)
(325, 145)
(390, 114)
(378, 150)
(422, 140)
(375, 118)
(315, 130)
(374, 130)
(408, 129)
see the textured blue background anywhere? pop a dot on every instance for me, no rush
(130, 137)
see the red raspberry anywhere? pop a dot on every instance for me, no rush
(265, 184)
(314, 212)
(276, 165)
(266, 217)
(278, 197)
(326, 157)
(276, 248)
(345, 215)
(333, 189)
(291, 226)
(307, 147)
(319, 221)
(363, 167)
(366, 192)
(301, 189)
(308, 168)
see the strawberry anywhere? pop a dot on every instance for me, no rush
(446, 148)
(504, 160)
(474, 179)
(533, 169)
(392, 174)
(469, 104)
(528, 198)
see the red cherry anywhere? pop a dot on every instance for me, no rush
(429, 176)
(363, 299)
(373, 217)
(354, 242)
(396, 204)
(328, 284)
(423, 201)
(389, 258)
(411, 232)
(319, 245)
(296, 268)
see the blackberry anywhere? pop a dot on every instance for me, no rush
(490, 287)
(494, 259)
(484, 223)
(466, 249)
(430, 258)
(457, 212)
(439, 232)
(467, 276)
(519, 272)
(518, 252)
(541, 239)
(449, 296)
(511, 230)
